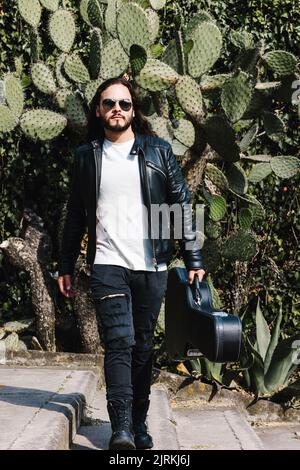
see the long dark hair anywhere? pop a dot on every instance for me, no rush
(95, 128)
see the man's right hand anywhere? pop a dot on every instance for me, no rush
(65, 286)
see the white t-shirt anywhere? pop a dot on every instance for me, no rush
(122, 222)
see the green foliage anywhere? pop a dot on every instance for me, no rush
(273, 361)
(232, 91)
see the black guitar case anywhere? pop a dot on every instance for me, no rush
(193, 327)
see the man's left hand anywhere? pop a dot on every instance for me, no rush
(196, 272)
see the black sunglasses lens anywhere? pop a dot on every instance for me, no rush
(109, 104)
(125, 105)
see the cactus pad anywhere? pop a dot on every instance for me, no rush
(185, 132)
(206, 50)
(8, 120)
(189, 96)
(240, 246)
(62, 29)
(14, 94)
(236, 96)
(114, 59)
(31, 11)
(281, 62)
(75, 69)
(156, 76)
(133, 26)
(43, 78)
(221, 137)
(259, 172)
(42, 124)
(95, 53)
(51, 5)
(216, 176)
(285, 166)
(237, 178)
(217, 208)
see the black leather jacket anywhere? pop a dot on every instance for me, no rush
(162, 182)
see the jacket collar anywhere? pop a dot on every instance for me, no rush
(137, 145)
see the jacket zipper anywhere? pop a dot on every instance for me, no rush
(154, 260)
(97, 177)
(151, 165)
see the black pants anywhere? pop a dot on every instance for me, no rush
(127, 306)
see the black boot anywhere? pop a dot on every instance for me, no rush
(142, 438)
(120, 414)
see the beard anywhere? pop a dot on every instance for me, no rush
(120, 127)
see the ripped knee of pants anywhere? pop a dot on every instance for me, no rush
(114, 313)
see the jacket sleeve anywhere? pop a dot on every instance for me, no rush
(74, 225)
(178, 193)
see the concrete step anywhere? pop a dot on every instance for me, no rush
(96, 430)
(40, 408)
(279, 436)
(213, 428)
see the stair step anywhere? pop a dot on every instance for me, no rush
(96, 432)
(214, 429)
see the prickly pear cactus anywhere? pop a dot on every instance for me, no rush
(221, 114)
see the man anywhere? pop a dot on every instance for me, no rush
(123, 170)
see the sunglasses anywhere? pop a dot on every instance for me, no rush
(109, 104)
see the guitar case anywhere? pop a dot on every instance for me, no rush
(193, 327)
